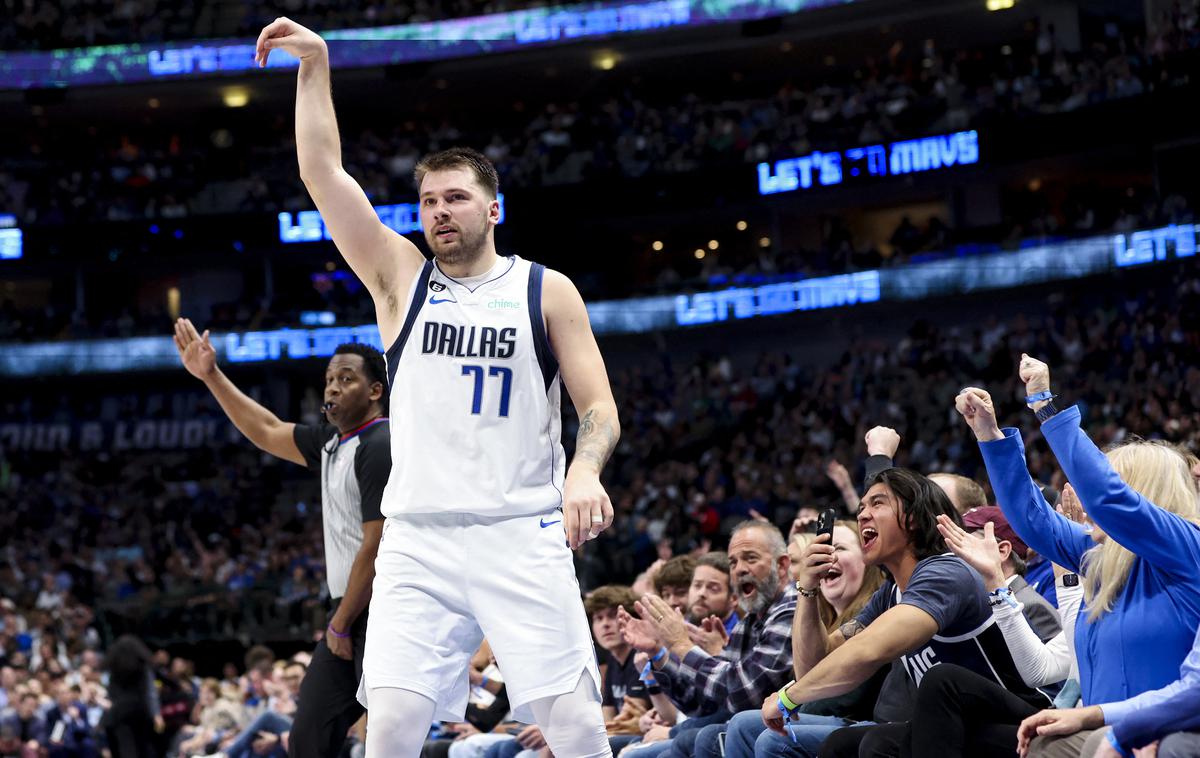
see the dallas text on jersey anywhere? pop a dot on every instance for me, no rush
(468, 341)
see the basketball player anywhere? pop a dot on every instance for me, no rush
(352, 453)
(477, 502)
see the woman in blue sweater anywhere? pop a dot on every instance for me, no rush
(1141, 564)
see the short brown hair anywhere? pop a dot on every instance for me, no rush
(609, 596)
(460, 157)
(970, 493)
(676, 572)
(717, 559)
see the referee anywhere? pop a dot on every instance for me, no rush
(353, 454)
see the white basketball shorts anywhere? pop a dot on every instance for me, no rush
(443, 582)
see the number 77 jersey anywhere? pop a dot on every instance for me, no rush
(475, 397)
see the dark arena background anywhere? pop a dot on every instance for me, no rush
(792, 221)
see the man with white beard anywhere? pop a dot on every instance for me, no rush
(757, 659)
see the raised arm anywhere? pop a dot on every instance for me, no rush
(385, 261)
(587, 510)
(260, 426)
(882, 443)
(1051, 534)
(1168, 541)
(810, 641)
(1038, 663)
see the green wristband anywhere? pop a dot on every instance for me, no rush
(787, 701)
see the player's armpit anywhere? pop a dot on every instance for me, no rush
(383, 260)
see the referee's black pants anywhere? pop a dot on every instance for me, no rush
(958, 713)
(328, 699)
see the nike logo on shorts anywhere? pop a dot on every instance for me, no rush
(544, 523)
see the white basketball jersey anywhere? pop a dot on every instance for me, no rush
(475, 398)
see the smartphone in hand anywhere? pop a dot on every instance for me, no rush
(825, 522)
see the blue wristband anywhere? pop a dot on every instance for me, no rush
(647, 676)
(786, 717)
(484, 682)
(1039, 397)
(662, 653)
(1112, 740)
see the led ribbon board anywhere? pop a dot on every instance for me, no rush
(913, 156)
(12, 242)
(1054, 261)
(308, 226)
(356, 48)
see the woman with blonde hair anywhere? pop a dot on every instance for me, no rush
(1140, 563)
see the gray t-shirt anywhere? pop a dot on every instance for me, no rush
(952, 593)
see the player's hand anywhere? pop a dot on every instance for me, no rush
(342, 647)
(975, 406)
(195, 350)
(882, 440)
(285, 34)
(1035, 374)
(587, 511)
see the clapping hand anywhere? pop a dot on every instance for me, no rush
(710, 635)
(639, 633)
(981, 554)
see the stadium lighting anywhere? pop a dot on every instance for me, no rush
(742, 226)
(764, 241)
(605, 61)
(235, 97)
(713, 244)
(657, 245)
(699, 253)
(1000, 5)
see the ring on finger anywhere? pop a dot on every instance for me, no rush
(597, 519)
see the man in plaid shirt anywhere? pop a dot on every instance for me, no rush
(703, 670)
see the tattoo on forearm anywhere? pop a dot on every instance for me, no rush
(851, 628)
(596, 439)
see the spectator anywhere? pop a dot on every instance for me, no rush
(933, 611)
(846, 587)
(1143, 569)
(964, 493)
(624, 699)
(22, 730)
(758, 656)
(1012, 549)
(131, 719)
(673, 581)
(68, 733)
(711, 593)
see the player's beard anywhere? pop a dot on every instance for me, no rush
(469, 248)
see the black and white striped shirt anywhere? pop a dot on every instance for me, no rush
(354, 470)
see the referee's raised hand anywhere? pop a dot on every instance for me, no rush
(195, 349)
